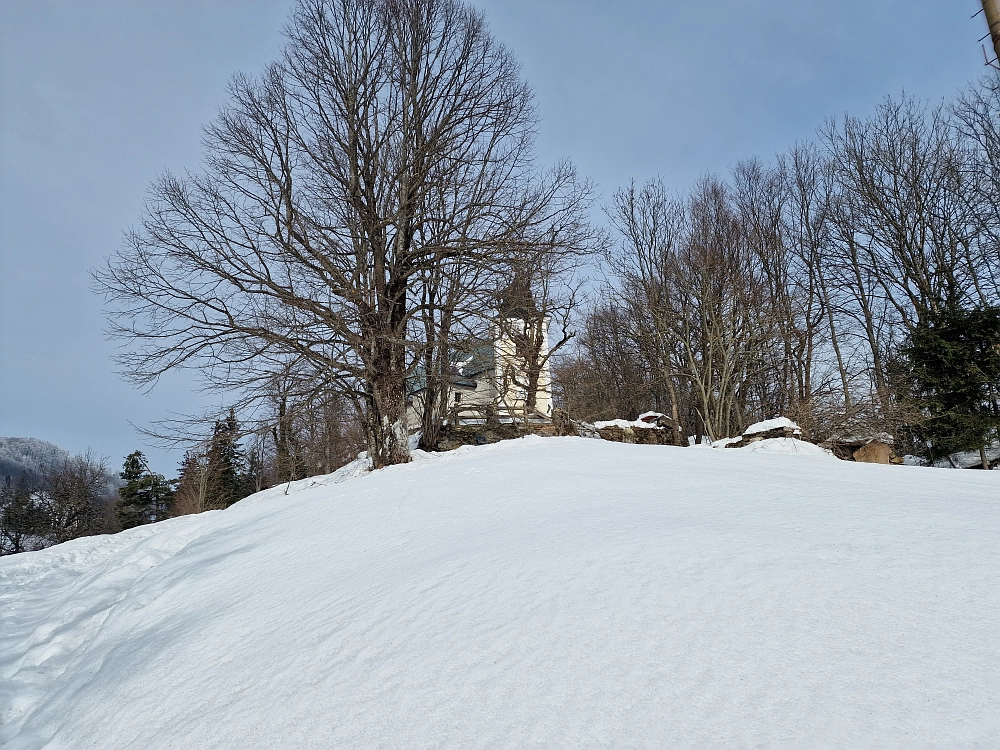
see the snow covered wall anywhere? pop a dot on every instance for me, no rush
(554, 592)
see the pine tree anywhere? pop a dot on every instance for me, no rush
(145, 498)
(953, 368)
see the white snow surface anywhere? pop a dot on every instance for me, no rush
(786, 446)
(771, 424)
(725, 442)
(647, 414)
(624, 424)
(556, 592)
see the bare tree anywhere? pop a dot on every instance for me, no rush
(788, 288)
(698, 292)
(976, 121)
(534, 311)
(76, 498)
(23, 521)
(653, 226)
(191, 495)
(455, 293)
(311, 435)
(607, 374)
(785, 210)
(808, 177)
(902, 224)
(393, 135)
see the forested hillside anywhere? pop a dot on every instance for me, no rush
(27, 458)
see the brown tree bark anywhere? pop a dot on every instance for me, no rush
(991, 9)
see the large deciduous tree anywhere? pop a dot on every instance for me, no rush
(392, 140)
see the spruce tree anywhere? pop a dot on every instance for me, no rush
(953, 367)
(145, 498)
(227, 475)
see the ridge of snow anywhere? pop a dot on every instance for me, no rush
(647, 414)
(771, 424)
(723, 442)
(534, 592)
(624, 424)
(787, 446)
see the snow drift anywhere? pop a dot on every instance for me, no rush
(554, 592)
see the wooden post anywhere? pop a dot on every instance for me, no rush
(991, 9)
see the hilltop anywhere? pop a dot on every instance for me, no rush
(27, 457)
(533, 593)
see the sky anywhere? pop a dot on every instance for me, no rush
(97, 98)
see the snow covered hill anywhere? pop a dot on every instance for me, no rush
(27, 457)
(552, 592)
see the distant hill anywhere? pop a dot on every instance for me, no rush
(27, 457)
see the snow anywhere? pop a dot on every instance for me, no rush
(652, 415)
(863, 438)
(771, 424)
(28, 457)
(624, 424)
(555, 592)
(725, 442)
(968, 459)
(786, 446)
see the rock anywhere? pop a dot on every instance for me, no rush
(656, 436)
(840, 450)
(617, 434)
(656, 419)
(876, 452)
(638, 435)
(562, 424)
(873, 449)
(454, 437)
(651, 428)
(770, 426)
(789, 430)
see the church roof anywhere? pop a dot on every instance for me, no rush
(466, 367)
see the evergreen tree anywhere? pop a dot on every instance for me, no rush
(953, 368)
(227, 477)
(145, 498)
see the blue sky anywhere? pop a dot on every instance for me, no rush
(98, 97)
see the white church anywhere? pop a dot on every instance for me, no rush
(489, 384)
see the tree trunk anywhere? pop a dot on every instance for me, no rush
(992, 11)
(835, 343)
(388, 436)
(533, 367)
(437, 369)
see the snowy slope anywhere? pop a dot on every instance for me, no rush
(552, 592)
